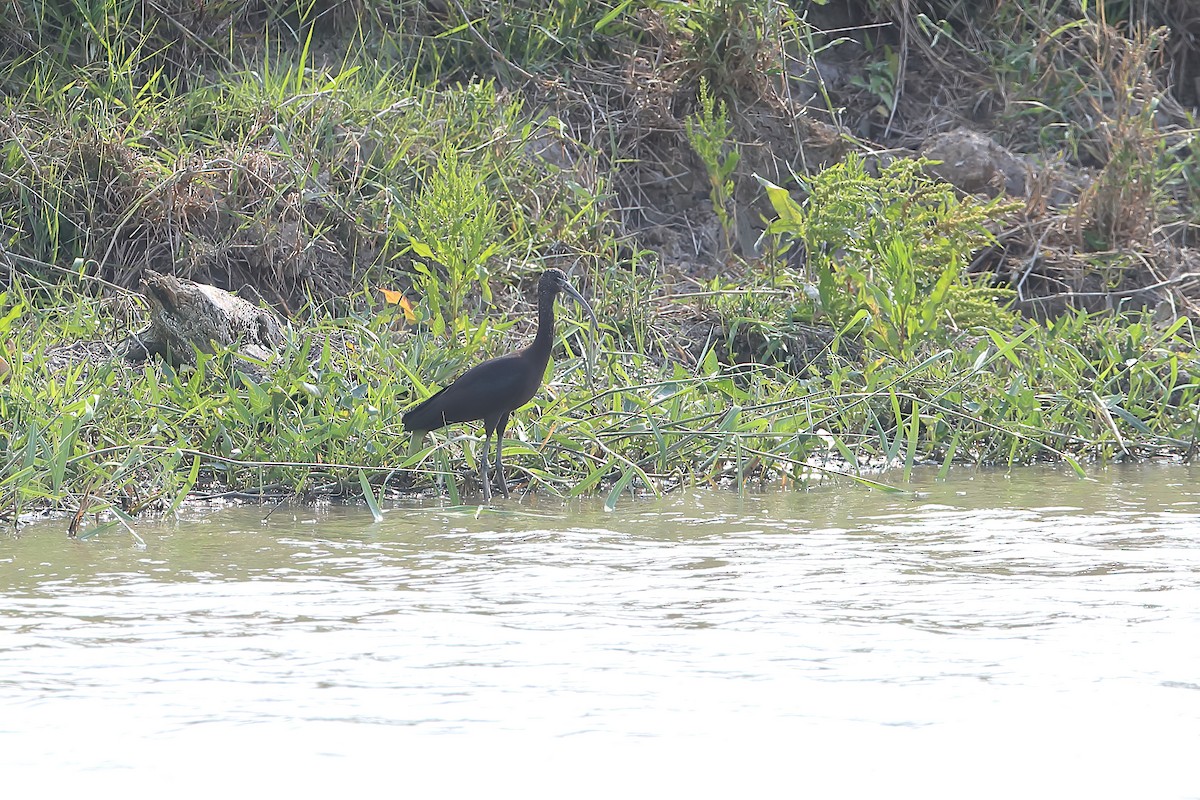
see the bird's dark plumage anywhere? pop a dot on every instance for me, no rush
(494, 389)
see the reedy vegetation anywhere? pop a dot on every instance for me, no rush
(369, 167)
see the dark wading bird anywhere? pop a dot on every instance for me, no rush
(494, 389)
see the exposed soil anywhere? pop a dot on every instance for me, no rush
(1097, 228)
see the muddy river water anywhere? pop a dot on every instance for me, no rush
(997, 634)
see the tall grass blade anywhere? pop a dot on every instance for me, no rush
(614, 494)
(369, 496)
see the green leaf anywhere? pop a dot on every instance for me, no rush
(588, 483)
(423, 250)
(787, 208)
(610, 504)
(610, 16)
(369, 496)
(13, 313)
(914, 426)
(186, 488)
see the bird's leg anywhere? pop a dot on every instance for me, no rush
(499, 447)
(483, 467)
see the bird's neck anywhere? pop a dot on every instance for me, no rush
(543, 342)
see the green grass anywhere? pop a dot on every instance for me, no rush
(1083, 389)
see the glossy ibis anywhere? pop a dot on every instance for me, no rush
(494, 389)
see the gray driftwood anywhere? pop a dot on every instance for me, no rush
(186, 316)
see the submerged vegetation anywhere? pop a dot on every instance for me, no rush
(787, 289)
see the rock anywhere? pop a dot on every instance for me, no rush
(974, 163)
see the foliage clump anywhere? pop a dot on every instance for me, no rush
(891, 251)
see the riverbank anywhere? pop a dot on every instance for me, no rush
(782, 289)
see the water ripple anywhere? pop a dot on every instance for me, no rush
(679, 617)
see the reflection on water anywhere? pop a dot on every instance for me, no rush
(1026, 617)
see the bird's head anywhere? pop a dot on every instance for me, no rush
(554, 281)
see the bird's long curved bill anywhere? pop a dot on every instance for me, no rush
(569, 289)
(591, 357)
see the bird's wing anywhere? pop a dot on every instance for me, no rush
(419, 418)
(486, 388)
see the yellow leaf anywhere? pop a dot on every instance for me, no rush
(409, 315)
(398, 299)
